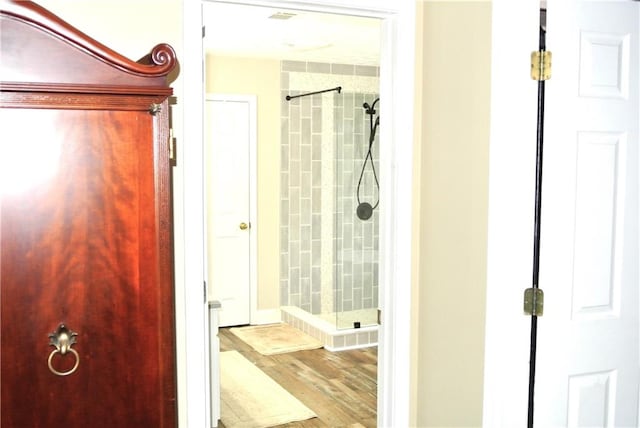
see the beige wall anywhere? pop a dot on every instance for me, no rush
(260, 77)
(451, 286)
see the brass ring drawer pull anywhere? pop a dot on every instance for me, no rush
(63, 339)
(75, 366)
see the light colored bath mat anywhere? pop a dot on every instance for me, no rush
(251, 399)
(276, 338)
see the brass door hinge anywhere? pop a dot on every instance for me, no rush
(533, 301)
(541, 65)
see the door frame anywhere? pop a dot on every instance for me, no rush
(251, 100)
(397, 77)
(510, 217)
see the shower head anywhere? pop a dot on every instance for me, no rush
(364, 211)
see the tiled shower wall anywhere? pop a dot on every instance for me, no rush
(328, 257)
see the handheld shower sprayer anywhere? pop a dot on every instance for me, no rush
(364, 211)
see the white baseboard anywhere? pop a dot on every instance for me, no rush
(266, 316)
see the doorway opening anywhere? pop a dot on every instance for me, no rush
(323, 260)
(397, 89)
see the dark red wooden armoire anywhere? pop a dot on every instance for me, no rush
(86, 266)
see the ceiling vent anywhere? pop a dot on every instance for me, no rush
(282, 15)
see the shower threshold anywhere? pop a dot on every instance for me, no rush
(333, 338)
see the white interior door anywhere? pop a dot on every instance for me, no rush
(588, 371)
(230, 125)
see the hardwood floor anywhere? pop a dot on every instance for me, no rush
(340, 387)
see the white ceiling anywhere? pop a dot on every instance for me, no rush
(250, 31)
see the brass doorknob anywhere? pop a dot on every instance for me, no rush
(244, 226)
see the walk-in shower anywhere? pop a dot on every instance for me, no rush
(329, 164)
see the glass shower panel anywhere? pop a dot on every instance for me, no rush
(356, 214)
(329, 211)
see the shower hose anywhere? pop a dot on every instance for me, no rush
(364, 210)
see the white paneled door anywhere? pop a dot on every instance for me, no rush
(230, 125)
(588, 371)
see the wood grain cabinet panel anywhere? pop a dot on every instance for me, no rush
(85, 230)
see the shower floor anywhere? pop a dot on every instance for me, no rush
(324, 329)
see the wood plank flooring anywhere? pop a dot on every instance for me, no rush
(340, 387)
